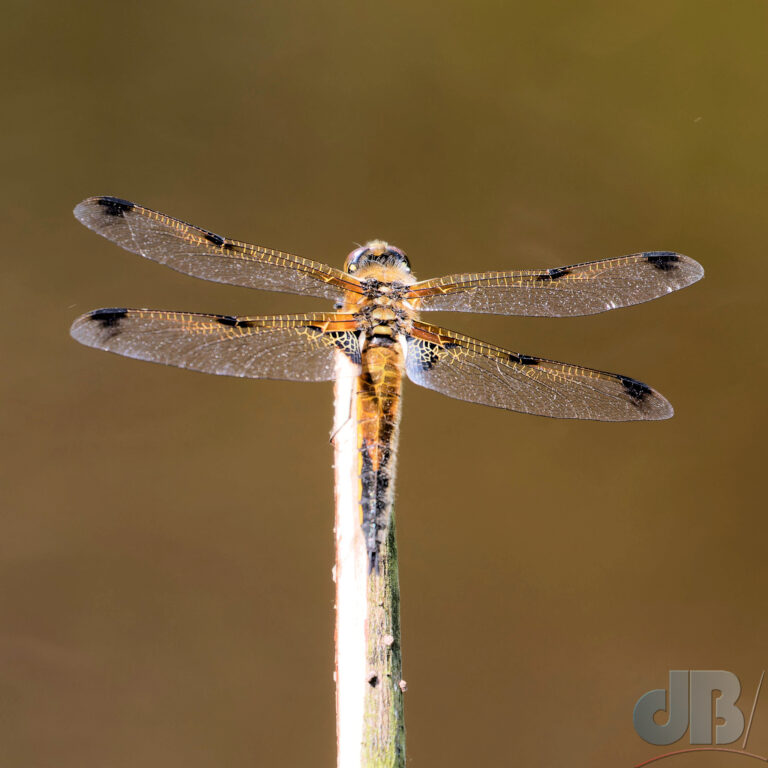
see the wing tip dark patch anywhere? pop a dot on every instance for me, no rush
(662, 260)
(523, 359)
(115, 206)
(554, 273)
(109, 317)
(212, 237)
(637, 390)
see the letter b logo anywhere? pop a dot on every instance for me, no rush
(691, 703)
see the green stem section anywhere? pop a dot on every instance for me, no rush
(384, 725)
(370, 727)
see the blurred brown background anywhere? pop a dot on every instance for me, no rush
(165, 540)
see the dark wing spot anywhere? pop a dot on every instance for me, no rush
(373, 681)
(347, 343)
(214, 238)
(553, 274)
(663, 260)
(635, 389)
(115, 206)
(108, 318)
(523, 359)
(425, 354)
(233, 322)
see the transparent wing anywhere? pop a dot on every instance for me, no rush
(292, 347)
(204, 254)
(580, 289)
(468, 369)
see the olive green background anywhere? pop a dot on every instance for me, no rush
(166, 537)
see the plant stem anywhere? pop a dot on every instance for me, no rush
(370, 727)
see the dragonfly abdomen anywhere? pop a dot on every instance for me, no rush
(379, 390)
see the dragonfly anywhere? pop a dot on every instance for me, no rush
(376, 325)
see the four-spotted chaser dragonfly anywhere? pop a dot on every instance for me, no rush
(376, 325)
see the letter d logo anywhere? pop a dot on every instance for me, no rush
(654, 701)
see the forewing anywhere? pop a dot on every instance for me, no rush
(468, 369)
(580, 289)
(204, 254)
(291, 347)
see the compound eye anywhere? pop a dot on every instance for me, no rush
(400, 257)
(351, 264)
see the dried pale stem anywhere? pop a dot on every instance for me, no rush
(370, 726)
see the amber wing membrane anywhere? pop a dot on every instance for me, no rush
(468, 369)
(579, 289)
(290, 347)
(204, 254)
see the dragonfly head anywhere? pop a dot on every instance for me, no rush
(376, 252)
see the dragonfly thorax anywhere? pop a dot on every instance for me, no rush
(383, 320)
